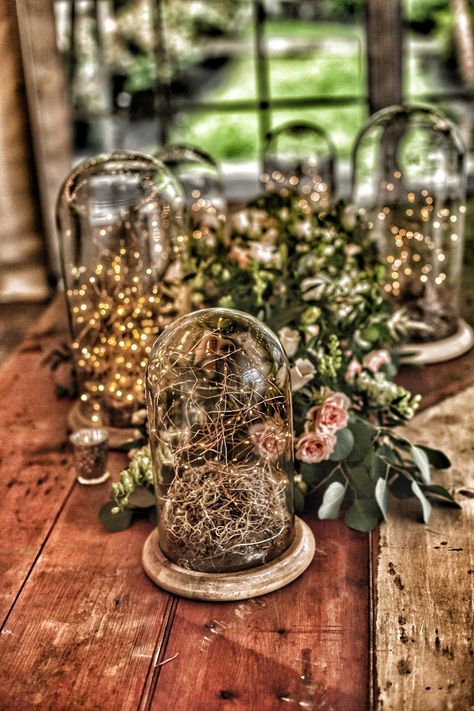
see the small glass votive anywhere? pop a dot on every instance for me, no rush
(90, 449)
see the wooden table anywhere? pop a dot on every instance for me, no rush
(378, 621)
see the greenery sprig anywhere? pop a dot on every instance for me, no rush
(317, 281)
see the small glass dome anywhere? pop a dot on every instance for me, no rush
(120, 228)
(200, 177)
(220, 425)
(299, 158)
(409, 186)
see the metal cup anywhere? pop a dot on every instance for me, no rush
(90, 449)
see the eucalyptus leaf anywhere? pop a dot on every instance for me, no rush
(380, 467)
(363, 515)
(298, 500)
(423, 464)
(439, 492)
(362, 482)
(114, 521)
(401, 487)
(344, 445)
(425, 504)
(362, 433)
(436, 457)
(332, 500)
(141, 498)
(381, 496)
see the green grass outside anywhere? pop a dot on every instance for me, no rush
(313, 73)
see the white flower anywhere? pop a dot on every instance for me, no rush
(241, 221)
(313, 287)
(311, 332)
(302, 372)
(304, 229)
(263, 253)
(290, 339)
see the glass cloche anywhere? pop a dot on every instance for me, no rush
(409, 188)
(299, 158)
(206, 203)
(220, 426)
(121, 234)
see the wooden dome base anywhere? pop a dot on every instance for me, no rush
(118, 436)
(241, 585)
(439, 351)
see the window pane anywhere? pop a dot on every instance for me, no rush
(210, 49)
(229, 137)
(341, 123)
(311, 56)
(436, 59)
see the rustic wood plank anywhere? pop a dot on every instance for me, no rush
(34, 479)
(88, 624)
(304, 646)
(435, 382)
(424, 620)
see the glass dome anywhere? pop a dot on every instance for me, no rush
(220, 425)
(409, 187)
(299, 158)
(120, 228)
(200, 177)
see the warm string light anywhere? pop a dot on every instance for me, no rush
(417, 237)
(117, 311)
(309, 185)
(205, 219)
(219, 449)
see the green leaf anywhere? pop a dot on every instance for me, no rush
(425, 504)
(298, 500)
(381, 497)
(362, 433)
(436, 457)
(141, 498)
(114, 521)
(344, 445)
(422, 462)
(363, 515)
(312, 473)
(401, 487)
(439, 492)
(362, 482)
(332, 500)
(380, 467)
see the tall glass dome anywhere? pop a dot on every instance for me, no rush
(120, 229)
(409, 187)
(220, 425)
(299, 158)
(206, 203)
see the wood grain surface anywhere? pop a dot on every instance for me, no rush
(303, 647)
(84, 628)
(424, 621)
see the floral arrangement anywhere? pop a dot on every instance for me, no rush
(315, 279)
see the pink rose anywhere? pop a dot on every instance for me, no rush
(353, 369)
(269, 439)
(330, 416)
(314, 447)
(375, 359)
(240, 255)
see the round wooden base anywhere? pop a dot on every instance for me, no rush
(439, 351)
(241, 585)
(118, 436)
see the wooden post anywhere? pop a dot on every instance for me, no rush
(22, 264)
(384, 53)
(48, 108)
